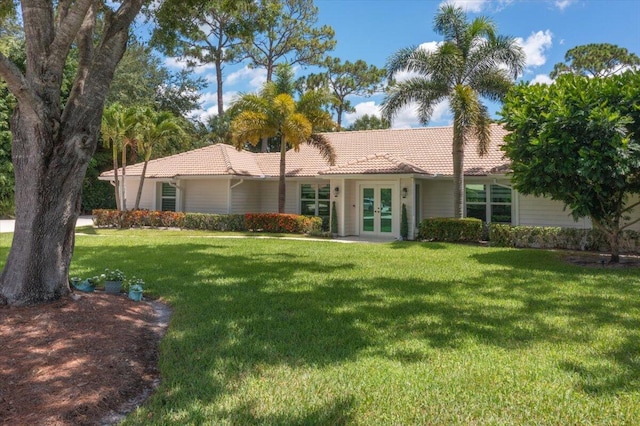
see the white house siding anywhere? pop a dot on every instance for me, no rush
(245, 197)
(350, 207)
(537, 211)
(268, 196)
(437, 198)
(148, 196)
(205, 195)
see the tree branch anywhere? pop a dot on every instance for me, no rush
(16, 82)
(66, 33)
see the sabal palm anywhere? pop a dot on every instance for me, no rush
(472, 62)
(274, 114)
(154, 130)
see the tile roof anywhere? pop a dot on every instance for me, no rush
(424, 150)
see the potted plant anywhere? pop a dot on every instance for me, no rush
(88, 285)
(136, 289)
(113, 280)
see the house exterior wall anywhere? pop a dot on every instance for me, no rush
(204, 195)
(245, 196)
(148, 196)
(437, 198)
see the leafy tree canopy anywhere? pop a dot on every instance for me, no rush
(596, 60)
(369, 122)
(578, 141)
(287, 32)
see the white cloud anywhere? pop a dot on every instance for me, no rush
(534, 47)
(178, 63)
(363, 108)
(210, 105)
(408, 116)
(430, 46)
(256, 77)
(563, 4)
(474, 6)
(542, 79)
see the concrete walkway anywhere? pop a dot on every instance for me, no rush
(7, 225)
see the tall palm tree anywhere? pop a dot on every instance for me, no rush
(272, 113)
(154, 130)
(119, 130)
(472, 62)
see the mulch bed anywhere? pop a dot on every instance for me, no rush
(597, 260)
(86, 359)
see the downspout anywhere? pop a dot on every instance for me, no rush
(229, 194)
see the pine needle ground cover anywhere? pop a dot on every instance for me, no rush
(272, 331)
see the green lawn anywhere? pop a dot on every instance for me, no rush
(304, 332)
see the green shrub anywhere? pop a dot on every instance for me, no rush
(104, 218)
(404, 223)
(283, 222)
(548, 237)
(214, 222)
(334, 218)
(450, 229)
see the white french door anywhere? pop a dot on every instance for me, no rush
(377, 210)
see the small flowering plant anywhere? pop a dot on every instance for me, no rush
(136, 281)
(114, 275)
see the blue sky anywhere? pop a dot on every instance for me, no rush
(372, 30)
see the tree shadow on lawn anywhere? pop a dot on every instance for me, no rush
(237, 314)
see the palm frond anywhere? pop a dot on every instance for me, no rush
(296, 129)
(322, 144)
(426, 93)
(492, 84)
(250, 126)
(482, 130)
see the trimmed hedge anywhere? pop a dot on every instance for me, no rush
(137, 218)
(559, 238)
(215, 222)
(265, 222)
(282, 222)
(450, 229)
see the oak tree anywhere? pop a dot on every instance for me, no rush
(53, 141)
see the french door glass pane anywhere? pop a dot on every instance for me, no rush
(386, 212)
(367, 209)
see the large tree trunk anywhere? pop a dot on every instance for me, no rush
(51, 146)
(48, 193)
(458, 173)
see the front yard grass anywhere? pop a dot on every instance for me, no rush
(305, 332)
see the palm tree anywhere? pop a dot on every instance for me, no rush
(118, 128)
(472, 62)
(272, 113)
(155, 130)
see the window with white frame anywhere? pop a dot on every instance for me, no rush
(315, 199)
(168, 197)
(489, 203)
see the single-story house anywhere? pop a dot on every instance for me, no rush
(375, 173)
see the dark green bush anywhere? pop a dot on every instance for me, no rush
(215, 222)
(559, 238)
(450, 229)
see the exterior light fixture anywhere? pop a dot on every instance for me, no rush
(336, 191)
(405, 191)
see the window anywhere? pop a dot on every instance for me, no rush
(315, 200)
(168, 198)
(489, 203)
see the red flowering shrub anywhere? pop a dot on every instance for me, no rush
(282, 222)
